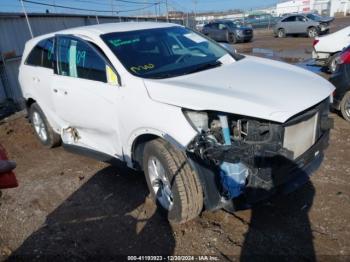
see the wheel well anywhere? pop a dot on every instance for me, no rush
(29, 102)
(138, 148)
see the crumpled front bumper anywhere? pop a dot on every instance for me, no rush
(272, 166)
(283, 178)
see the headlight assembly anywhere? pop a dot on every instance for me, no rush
(197, 119)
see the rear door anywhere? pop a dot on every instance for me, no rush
(39, 73)
(214, 31)
(83, 99)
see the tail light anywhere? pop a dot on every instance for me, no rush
(344, 58)
(315, 42)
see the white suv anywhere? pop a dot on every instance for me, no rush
(211, 129)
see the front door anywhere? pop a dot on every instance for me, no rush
(289, 24)
(85, 103)
(301, 25)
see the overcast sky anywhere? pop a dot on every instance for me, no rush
(133, 7)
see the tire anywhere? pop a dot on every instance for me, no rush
(312, 32)
(231, 38)
(345, 106)
(42, 128)
(332, 63)
(184, 200)
(281, 33)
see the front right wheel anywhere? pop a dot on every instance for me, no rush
(312, 32)
(172, 182)
(345, 106)
(332, 63)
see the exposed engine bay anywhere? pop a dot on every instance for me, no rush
(256, 154)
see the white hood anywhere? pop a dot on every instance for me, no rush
(254, 87)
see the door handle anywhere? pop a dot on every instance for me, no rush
(36, 79)
(61, 91)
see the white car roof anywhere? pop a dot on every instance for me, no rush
(117, 27)
(99, 29)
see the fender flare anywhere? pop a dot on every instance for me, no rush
(129, 149)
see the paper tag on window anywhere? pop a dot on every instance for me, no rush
(73, 59)
(195, 38)
(112, 77)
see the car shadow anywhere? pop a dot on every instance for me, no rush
(109, 216)
(280, 229)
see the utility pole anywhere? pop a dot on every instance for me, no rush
(25, 14)
(112, 6)
(195, 10)
(167, 10)
(54, 5)
(155, 11)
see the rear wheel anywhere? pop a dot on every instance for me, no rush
(173, 184)
(42, 128)
(345, 106)
(281, 33)
(332, 63)
(312, 32)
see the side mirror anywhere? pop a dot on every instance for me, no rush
(229, 48)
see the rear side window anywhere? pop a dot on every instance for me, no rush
(78, 59)
(42, 54)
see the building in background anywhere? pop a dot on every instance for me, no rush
(340, 7)
(323, 7)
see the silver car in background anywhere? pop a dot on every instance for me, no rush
(297, 24)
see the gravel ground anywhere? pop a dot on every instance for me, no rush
(69, 205)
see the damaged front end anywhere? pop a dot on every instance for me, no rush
(243, 160)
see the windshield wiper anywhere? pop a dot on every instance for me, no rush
(205, 67)
(199, 68)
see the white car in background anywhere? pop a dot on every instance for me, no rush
(210, 128)
(327, 48)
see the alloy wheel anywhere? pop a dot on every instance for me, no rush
(160, 183)
(39, 126)
(347, 107)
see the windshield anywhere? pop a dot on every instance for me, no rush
(314, 16)
(233, 24)
(165, 52)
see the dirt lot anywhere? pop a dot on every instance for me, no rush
(70, 205)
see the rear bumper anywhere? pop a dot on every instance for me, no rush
(321, 58)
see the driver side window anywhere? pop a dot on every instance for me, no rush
(77, 59)
(222, 26)
(301, 19)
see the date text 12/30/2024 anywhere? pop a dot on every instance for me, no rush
(173, 258)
